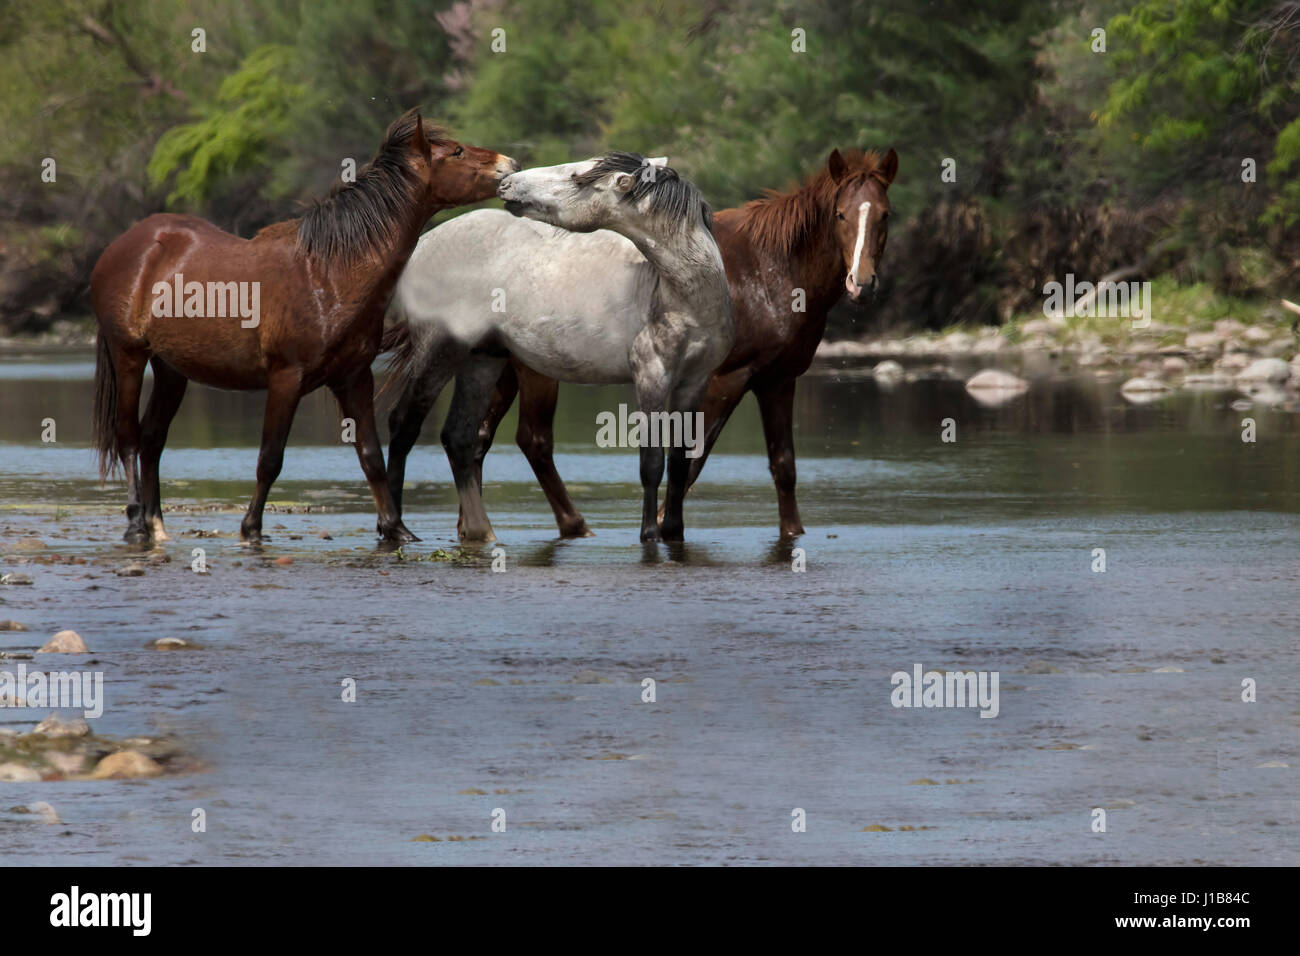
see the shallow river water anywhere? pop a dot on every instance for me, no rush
(518, 695)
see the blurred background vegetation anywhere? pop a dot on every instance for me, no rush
(1067, 159)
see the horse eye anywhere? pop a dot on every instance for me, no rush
(839, 215)
(460, 151)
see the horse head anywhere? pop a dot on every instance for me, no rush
(452, 173)
(861, 215)
(624, 192)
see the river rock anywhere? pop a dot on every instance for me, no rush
(992, 379)
(1257, 334)
(126, 764)
(991, 344)
(15, 578)
(44, 811)
(17, 773)
(175, 644)
(1266, 370)
(1215, 381)
(1265, 393)
(1174, 365)
(55, 726)
(64, 642)
(843, 349)
(1202, 340)
(1227, 328)
(1039, 327)
(133, 570)
(958, 343)
(1233, 362)
(888, 371)
(12, 626)
(1144, 385)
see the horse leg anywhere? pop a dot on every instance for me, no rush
(475, 383)
(651, 394)
(168, 391)
(129, 368)
(723, 395)
(686, 400)
(356, 396)
(535, 436)
(503, 397)
(776, 404)
(424, 384)
(283, 392)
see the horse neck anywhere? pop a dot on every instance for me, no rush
(376, 275)
(811, 261)
(688, 264)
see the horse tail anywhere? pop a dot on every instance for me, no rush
(104, 428)
(397, 340)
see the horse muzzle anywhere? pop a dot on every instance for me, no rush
(858, 291)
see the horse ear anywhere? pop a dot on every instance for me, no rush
(623, 182)
(836, 165)
(888, 167)
(418, 143)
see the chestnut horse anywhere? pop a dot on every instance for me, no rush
(298, 306)
(822, 239)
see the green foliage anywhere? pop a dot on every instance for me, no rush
(252, 109)
(1204, 77)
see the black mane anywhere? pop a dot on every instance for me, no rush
(671, 197)
(359, 218)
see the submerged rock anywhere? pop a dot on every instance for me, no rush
(174, 644)
(56, 726)
(126, 764)
(15, 578)
(64, 642)
(12, 626)
(992, 379)
(888, 371)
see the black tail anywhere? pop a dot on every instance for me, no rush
(397, 339)
(104, 429)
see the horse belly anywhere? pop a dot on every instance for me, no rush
(219, 353)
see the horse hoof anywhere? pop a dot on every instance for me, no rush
(579, 530)
(136, 536)
(401, 534)
(650, 536)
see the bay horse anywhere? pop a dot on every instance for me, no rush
(825, 237)
(299, 305)
(643, 300)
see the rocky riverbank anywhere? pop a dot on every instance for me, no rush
(1259, 362)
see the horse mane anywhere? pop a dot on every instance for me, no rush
(359, 218)
(783, 221)
(671, 197)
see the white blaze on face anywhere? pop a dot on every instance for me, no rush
(863, 211)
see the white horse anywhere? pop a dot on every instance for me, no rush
(645, 302)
